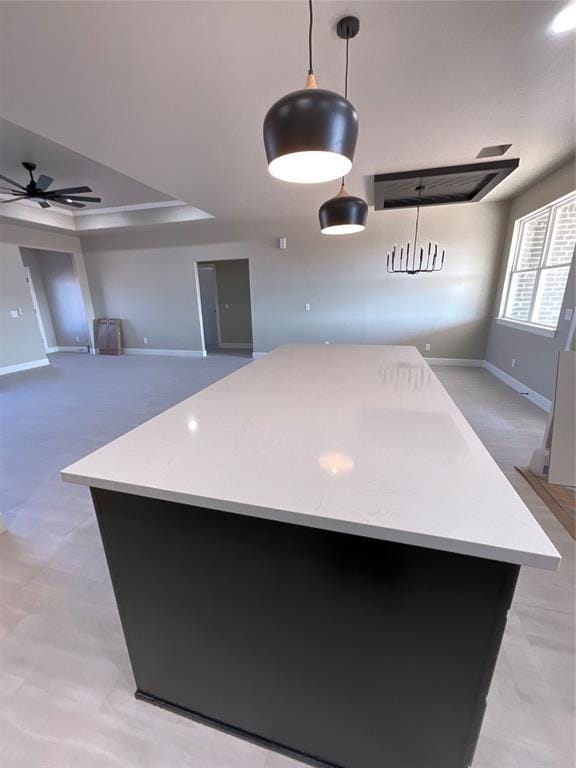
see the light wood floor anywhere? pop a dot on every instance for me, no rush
(66, 689)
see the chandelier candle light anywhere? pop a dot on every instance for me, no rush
(310, 135)
(344, 214)
(413, 264)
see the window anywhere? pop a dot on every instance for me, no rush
(538, 265)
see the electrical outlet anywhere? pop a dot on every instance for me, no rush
(427, 348)
(307, 307)
(14, 313)
(513, 362)
(77, 338)
(568, 314)
(145, 340)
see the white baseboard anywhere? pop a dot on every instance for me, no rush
(258, 354)
(24, 366)
(167, 352)
(454, 361)
(529, 394)
(51, 350)
(234, 345)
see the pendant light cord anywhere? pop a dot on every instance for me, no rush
(310, 25)
(345, 95)
(346, 71)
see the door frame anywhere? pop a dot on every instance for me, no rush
(208, 265)
(36, 306)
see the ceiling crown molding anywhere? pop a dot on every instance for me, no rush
(102, 219)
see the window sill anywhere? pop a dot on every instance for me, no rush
(539, 330)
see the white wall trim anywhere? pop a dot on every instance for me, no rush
(24, 366)
(234, 345)
(199, 307)
(128, 208)
(167, 352)
(80, 348)
(79, 266)
(258, 354)
(454, 361)
(539, 330)
(530, 394)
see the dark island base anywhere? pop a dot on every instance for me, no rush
(225, 728)
(335, 649)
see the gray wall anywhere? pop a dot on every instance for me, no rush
(234, 309)
(152, 290)
(63, 296)
(536, 356)
(20, 340)
(32, 237)
(148, 280)
(30, 260)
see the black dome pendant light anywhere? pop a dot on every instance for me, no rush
(344, 214)
(310, 135)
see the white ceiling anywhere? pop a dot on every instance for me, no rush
(174, 93)
(68, 168)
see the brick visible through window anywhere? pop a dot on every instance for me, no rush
(539, 264)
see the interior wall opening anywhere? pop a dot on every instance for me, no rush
(224, 288)
(57, 300)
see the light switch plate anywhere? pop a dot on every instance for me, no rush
(568, 314)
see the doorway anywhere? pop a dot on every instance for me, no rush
(57, 299)
(225, 305)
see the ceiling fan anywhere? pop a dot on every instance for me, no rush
(37, 190)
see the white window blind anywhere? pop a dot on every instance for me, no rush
(539, 263)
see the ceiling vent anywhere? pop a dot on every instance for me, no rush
(442, 186)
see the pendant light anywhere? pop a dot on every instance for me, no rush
(429, 261)
(310, 135)
(344, 214)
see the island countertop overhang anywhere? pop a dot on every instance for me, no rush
(362, 440)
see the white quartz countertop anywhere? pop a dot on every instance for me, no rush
(358, 439)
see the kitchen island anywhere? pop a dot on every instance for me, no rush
(318, 554)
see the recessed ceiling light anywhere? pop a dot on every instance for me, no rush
(497, 150)
(565, 20)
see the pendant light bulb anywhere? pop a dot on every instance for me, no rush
(344, 214)
(310, 135)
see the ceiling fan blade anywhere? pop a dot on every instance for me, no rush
(77, 199)
(16, 184)
(70, 205)
(44, 182)
(69, 191)
(14, 199)
(43, 204)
